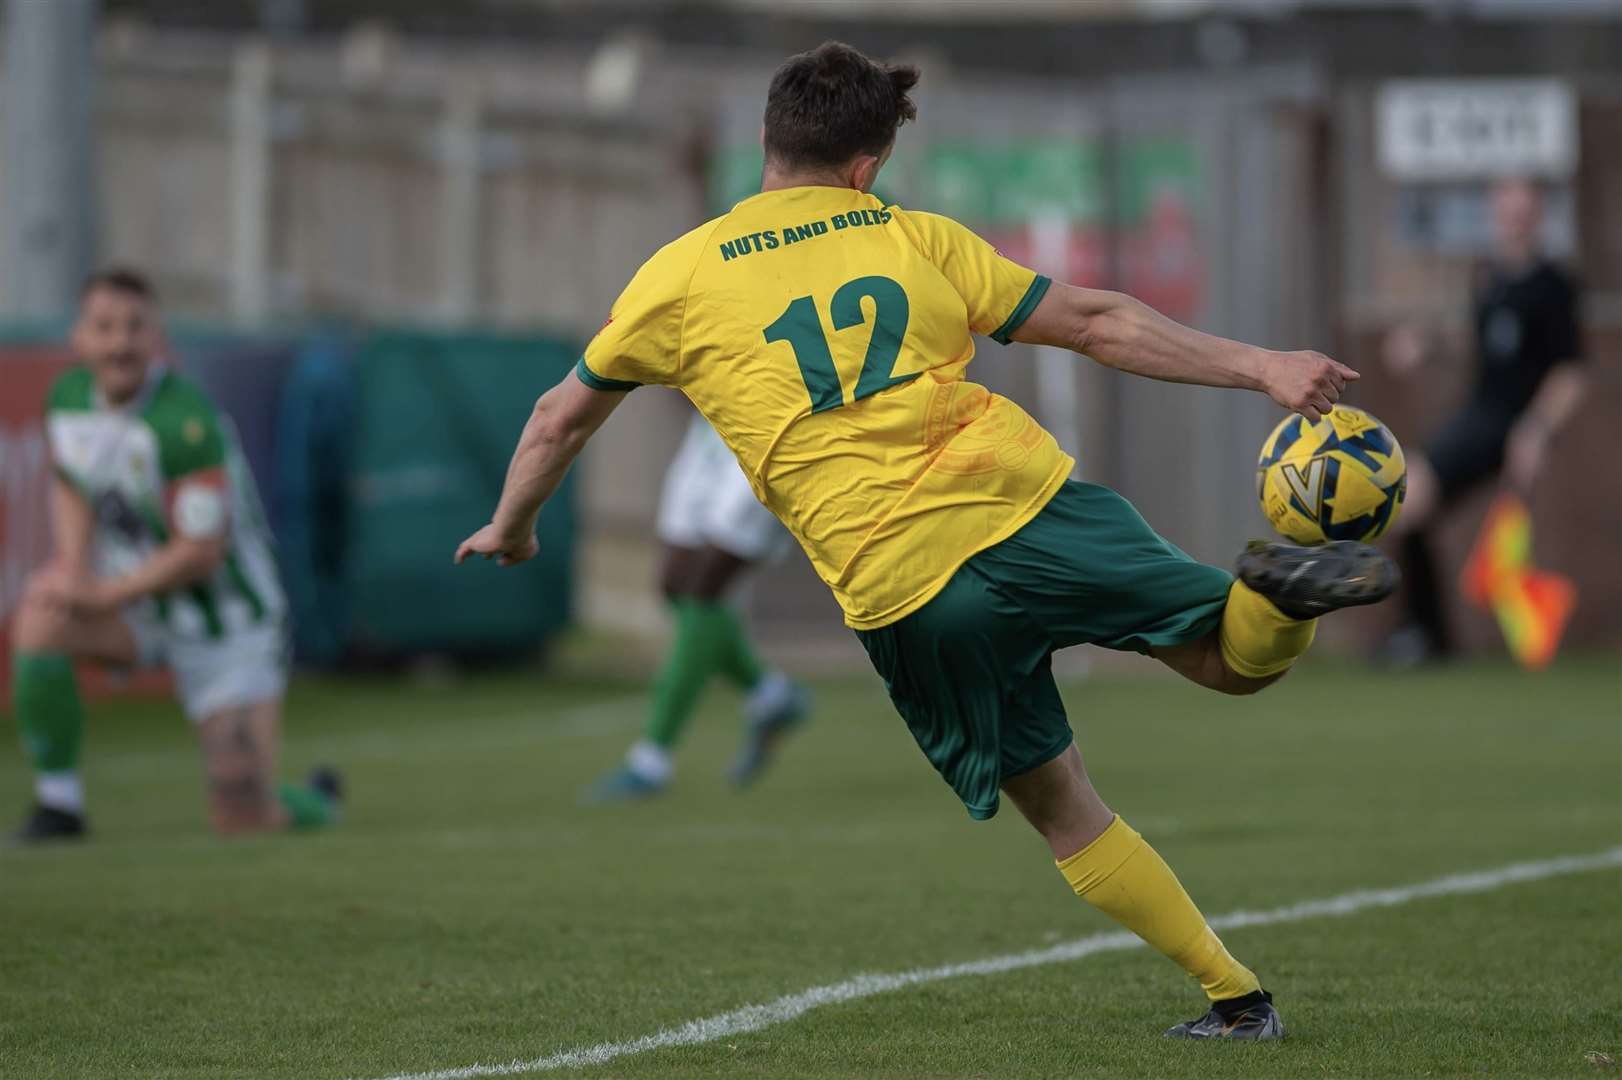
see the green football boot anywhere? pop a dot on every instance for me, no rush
(781, 707)
(624, 784)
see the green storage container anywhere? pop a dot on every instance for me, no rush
(437, 418)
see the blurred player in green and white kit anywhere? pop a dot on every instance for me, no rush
(161, 558)
(714, 530)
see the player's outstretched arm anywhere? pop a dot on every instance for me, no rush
(1127, 334)
(565, 417)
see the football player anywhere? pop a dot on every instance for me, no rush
(161, 557)
(826, 336)
(714, 530)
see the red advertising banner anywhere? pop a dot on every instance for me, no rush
(26, 373)
(25, 534)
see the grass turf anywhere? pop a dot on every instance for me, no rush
(470, 910)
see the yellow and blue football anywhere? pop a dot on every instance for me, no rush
(1341, 478)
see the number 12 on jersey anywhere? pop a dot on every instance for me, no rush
(801, 327)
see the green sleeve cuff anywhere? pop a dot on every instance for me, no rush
(1022, 311)
(597, 382)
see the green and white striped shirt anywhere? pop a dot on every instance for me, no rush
(157, 466)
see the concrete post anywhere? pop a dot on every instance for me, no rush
(47, 219)
(460, 210)
(250, 182)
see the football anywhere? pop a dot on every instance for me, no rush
(1341, 478)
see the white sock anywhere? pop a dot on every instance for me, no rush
(60, 791)
(774, 691)
(650, 761)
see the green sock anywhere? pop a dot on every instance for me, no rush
(738, 661)
(50, 716)
(306, 807)
(697, 653)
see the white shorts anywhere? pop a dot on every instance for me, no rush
(707, 501)
(244, 667)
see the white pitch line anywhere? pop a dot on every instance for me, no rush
(792, 1007)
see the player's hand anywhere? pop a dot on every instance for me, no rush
(492, 543)
(68, 589)
(51, 586)
(1404, 349)
(1525, 454)
(84, 596)
(1306, 382)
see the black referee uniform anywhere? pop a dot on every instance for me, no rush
(1526, 323)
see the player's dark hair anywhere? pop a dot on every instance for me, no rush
(830, 104)
(120, 279)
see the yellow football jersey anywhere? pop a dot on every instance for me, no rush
(825, 335)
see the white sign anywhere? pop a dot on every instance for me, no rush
(1471, 129)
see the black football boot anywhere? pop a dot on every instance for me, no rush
(47, 824)
(1306, 582)
(1251, 1018)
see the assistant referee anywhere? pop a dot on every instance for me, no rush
(1528, 384)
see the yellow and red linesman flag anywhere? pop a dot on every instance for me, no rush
(1531, 605)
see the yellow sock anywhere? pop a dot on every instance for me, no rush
(1126, 879)
(1258, 639)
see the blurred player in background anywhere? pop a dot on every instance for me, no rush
(161, 557)
(826, 336)
(1528, 383)
(713, 530)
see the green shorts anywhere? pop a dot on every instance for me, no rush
(971, 671)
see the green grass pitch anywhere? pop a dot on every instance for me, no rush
(470, 910)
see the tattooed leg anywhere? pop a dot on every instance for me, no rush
(239, 751)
